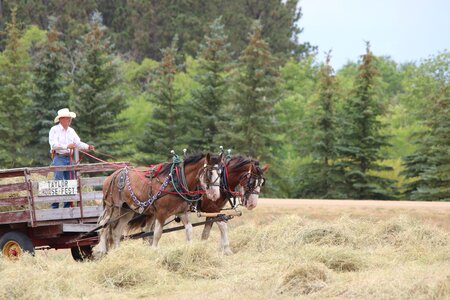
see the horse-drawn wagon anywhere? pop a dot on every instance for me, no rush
(27, 222)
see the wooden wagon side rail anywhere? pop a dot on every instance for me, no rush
(12, 217)
(83, 168)
(13, 187)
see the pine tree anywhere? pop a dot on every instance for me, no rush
(50, 93)
(97, 101)
(15, 83)
(205, 105)
(251, 121)
(163, 130)
(359, 149)
(428, 169)
(323, 177)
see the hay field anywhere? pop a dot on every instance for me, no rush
(311, 250)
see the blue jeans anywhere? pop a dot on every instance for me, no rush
(60, 175)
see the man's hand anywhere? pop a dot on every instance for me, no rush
(71, 146)
(91, 147)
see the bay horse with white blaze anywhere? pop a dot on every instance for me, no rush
(163, 192)
(236, 172)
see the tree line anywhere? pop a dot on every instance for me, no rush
(372, 130)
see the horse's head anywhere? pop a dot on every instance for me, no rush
(248, 176)
(209, 177)
(251, 183)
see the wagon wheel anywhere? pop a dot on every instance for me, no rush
(14, 243)
(81, 253)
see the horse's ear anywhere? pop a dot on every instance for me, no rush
(265, 168)
(221, 157)
(208, 158)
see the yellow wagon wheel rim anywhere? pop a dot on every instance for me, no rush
(12, 249)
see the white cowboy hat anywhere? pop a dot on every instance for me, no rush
(65, 113)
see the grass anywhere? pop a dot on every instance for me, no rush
(312, 253)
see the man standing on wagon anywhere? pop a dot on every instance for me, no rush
(63, 140)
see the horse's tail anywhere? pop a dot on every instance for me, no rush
(107, 200)
(138, 222)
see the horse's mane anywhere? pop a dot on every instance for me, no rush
(194, 158)
(240, 161)
(190, 159)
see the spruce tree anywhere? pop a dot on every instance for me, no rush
(15, 83)
(428, 169)
(250, 124)
(50, 93)
(359, 148)
(205, 105)
(163, 130)
(97, 101)
(323, 177)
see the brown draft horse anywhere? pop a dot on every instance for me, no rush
(169, 191)
(240, 172)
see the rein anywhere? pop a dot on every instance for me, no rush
(180, 190)
(177, 178)
(244, 180)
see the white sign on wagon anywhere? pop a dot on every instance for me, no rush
(57, 187)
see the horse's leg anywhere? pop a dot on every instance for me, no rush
(187, 225)
(157, 231)
(102, 246)
(224, 242)
(119, 227)
(207, 229)
(149, 227)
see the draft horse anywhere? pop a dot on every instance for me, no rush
(243, 174)
(155, 195)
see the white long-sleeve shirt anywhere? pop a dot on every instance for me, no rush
(59, 138)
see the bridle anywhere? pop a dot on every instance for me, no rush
(207, 173)
(249, 181)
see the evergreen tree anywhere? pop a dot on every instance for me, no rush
(15, 83)
(323, 177)
(251, 124)
(50, 93)
(163, 129)
(141, 28)
(428, 169)
(205, 105)
(359, 148)
(97, 100)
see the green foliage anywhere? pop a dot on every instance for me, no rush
(139, 29)
(277, 105)
(324, 176)
(428, 167)
(96, 98)
(204, 109)
(299, 81)
(49, 95)
(359, 147)
(15, 82)
(251, 123)
(164, 127)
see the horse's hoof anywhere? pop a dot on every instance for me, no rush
(227, 251)
(98, 254)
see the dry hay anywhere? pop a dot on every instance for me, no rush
(130, 265)
(303, 279)
(197, 260)
(284, 257)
